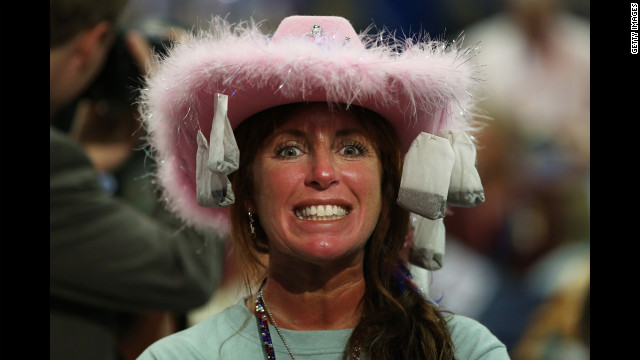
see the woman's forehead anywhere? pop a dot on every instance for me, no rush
(315, 118)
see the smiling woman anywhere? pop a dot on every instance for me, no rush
(309, 132)
(316, 160)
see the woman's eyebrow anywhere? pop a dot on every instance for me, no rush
(301, 134)
(287, 132)
(351, 132)
(290, 131)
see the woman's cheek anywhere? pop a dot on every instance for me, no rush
(363, 176)
(276, 183)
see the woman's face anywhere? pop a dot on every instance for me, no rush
(317, 186)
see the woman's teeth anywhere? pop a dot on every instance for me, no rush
(321, 212)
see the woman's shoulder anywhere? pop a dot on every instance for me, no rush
(202, 340)
(473, 340)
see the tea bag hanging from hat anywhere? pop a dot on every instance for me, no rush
(217, 159)
(465, 189)
(224, 156)
(213, 189)
(426, 176)
(427, 251)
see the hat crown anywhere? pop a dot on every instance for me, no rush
(321, 29)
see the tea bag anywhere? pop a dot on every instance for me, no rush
(217, 159)
(428, 242)
(213, 189)
(465, 189)
(426, 176)
(224, 156)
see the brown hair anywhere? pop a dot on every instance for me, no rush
(69, 17)
(397, 322)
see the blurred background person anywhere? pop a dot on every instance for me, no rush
(122, 273)
(537, 63)
(559, 328)
(535, 224)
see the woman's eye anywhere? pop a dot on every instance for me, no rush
(290, 152)
(350, 150)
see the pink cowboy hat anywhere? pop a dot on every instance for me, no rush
(417, 85)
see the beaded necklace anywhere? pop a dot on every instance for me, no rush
(262, 312)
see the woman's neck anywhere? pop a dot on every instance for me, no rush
(314, 297)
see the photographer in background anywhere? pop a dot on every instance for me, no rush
(122, 272)
(104, 119)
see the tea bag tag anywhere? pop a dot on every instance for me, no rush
(427, 251)
(224, 156)
(426, 175)
(465, 189)
(213, 189)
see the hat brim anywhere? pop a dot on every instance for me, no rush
(422, 88)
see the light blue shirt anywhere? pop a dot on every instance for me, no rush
(233, 335)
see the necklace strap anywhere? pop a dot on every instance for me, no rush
(263, 316)
(263, 327)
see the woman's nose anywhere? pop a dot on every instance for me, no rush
(323, 171)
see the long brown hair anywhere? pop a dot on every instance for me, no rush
(397, 322)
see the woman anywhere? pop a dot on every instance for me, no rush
(321, 126)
